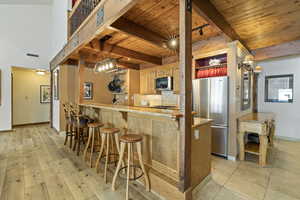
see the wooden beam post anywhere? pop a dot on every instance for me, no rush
(185, 64)
(81, 69)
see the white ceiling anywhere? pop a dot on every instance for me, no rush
(24, 2)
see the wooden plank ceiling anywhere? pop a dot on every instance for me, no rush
(139, 35)
(262, 23)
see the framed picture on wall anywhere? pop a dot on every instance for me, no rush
(279, 88)
(56, 84)
(88, 90)
(45, 94)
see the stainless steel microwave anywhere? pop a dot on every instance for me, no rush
(164, 83)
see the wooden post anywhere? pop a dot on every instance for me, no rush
(185, 61)
(81, 69)
(255, 92)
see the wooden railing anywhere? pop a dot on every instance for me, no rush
(81, 10)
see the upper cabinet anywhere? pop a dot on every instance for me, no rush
(147, 81)
(164, 71)
(148, 76)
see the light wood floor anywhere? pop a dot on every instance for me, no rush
(35, 165)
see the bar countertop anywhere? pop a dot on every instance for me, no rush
(173, 114)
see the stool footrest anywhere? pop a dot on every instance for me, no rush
(131, 166)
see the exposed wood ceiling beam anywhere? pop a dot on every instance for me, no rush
(135, 30)
(121, 51)
(209, 12)
(285, 49)
(128, 65)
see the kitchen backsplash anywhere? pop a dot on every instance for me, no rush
(167, 98)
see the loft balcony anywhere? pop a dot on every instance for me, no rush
(81, 10)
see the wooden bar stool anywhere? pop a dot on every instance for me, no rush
(130, 140)
(80, 126)
(93, 127)
(108, 135)
(69, 124)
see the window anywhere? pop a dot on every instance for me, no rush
(279, 88)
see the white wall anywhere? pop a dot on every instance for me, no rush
(59, 25)
(24, 29)
(287, 114)
(59, 39)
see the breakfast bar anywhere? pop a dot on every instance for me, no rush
(160, 131)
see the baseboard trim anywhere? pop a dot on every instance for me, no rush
(232, 158)
(6, 131)
(31, 124)
(287, 138)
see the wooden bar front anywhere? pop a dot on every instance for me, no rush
(161, 139)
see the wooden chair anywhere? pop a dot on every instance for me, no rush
(130, 140)
(79, 122)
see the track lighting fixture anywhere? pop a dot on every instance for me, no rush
(173, 42)
(200, 29)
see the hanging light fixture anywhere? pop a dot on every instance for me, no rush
(105, 65)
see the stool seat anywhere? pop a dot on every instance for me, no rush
(110, 130)
(131, 138)
(95, 125)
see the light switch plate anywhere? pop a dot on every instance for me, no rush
(197, 134)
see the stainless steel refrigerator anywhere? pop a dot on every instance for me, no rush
(210, 100)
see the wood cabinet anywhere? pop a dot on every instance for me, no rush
(148, 76)
(164, 71)
(151, 81)
(147, 81)
(143, 82)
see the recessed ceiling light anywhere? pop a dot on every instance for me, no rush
(40, 72)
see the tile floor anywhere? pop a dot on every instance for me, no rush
(280, 180)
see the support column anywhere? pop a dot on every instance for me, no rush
(185, 64)
(81, 69)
